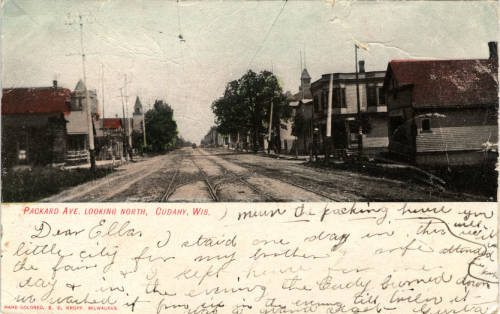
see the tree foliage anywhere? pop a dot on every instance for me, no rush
(161, 128)
(245, 106)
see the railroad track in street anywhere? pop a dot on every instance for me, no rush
(236, 177)
(267, 197)
(271, 198)
(170, 189)
(211, 190)
(307, 189)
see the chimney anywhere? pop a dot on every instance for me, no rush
(493, 50)
(54, 84)
(361, 66)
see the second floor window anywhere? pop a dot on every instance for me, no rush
(339, 98)
(335, 98)
(325, 106)
(371, 96)
(381, 96)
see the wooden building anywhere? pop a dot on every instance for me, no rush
(78, 135)
(344, 128)
(443, 112)
(34, 125)
(109, 139)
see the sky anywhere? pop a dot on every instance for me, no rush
(139, 40)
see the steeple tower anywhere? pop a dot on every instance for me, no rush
(138, 106)
(305, 80)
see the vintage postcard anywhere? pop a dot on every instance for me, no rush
(249, 156)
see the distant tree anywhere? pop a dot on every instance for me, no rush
(181, 142)
(161, 128)
(138, 141)
(245, 106)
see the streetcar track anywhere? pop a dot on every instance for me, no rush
(267, 197)
(284, 181)
(169, 190)
(211, 190)
(127, 186)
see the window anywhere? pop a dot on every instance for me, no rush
(324, 100)
(381, 96)
(336, 97)
(426, 125)
(339, 99)
(371, 96)
(335, 103)
(316, 104)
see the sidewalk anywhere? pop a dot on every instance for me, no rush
(106, 163)
(284, 156)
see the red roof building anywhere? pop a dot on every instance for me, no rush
(447, 83)
(35, 100)
(112, 123)
(443, 113)
(34, 125)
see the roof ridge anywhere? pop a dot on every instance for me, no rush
(37, 87)
(435, 60)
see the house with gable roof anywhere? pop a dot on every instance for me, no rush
(443, 112)
(77, 127)
(34, 125)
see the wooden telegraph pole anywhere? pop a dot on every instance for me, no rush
(90, 127)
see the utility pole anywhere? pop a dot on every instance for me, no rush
(269, 136)
(311, 131)
(360, 128)
(329, 119)
(128, 128)
(102, 88)
(125, 141)
(144, 128)
(129, 139)
(90, 127)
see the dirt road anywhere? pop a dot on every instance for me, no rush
(203, 175)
